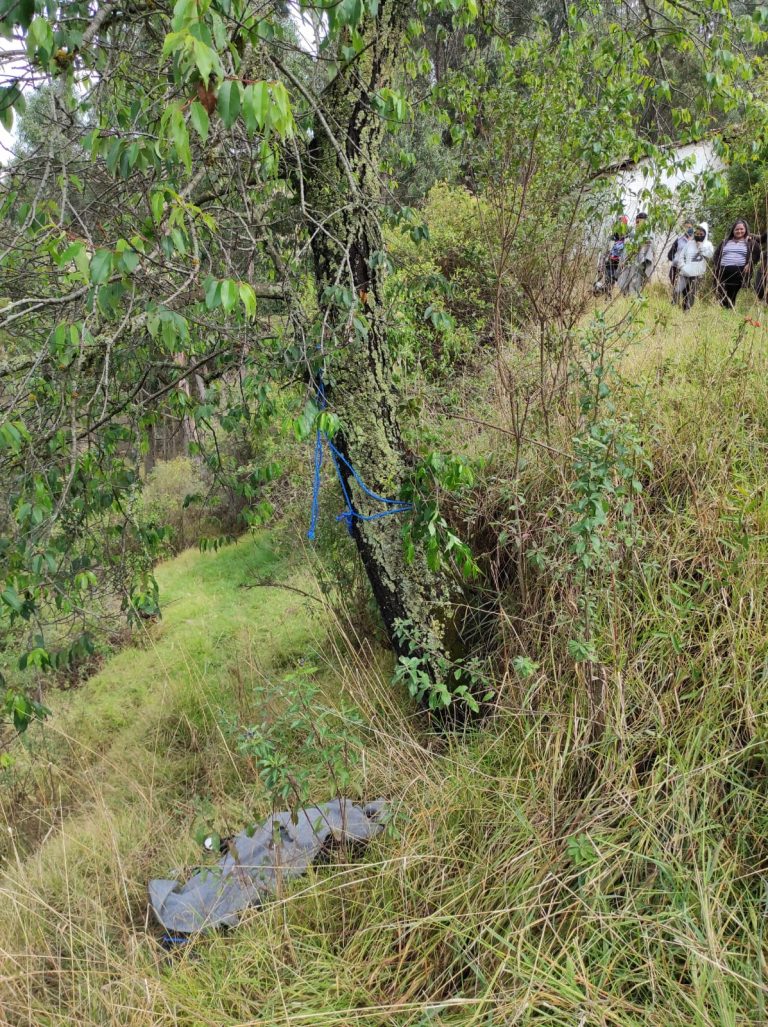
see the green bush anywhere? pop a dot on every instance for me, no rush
(441, 290)
(745, 196)
(172, 497)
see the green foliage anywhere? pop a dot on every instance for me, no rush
(162, 234)
(607, 468)
(228, 103)
(743, 195)
(433, 478)
(582, 851)
(441, 287)
(21, 710)
(457, 683)
(608, 464)
(300, 737)
(170, 500)
(657, 797)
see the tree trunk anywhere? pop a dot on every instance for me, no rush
(343, 191)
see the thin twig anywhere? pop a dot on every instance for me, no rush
(505, 431)
(275, 584)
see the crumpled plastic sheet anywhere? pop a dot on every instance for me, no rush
(278, 850)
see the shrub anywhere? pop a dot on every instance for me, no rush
(442, 286)
(172, 498)
(745, 196)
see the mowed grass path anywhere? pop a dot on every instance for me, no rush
(113, 784)
(136, 722)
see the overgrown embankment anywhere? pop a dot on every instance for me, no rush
(595, 853)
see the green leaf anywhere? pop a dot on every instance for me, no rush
(40, 39)
(212, 293)
(180, 138)
(101, 266)
(37, 657)
(108, 298)
(184, 12)
(174, 41)
(129, 261)
(157, 203)
(206, 61)
(71, 253)
(11, 598)
(229, 294)
(228, 103)
(343, 13)
(220, 32)
(248, 299)
(280, 115)
(21, 12)
(198, 115)
(256, 106)
(11, 97)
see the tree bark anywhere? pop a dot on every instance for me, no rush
(343, 191)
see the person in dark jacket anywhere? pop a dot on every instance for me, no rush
(612, 262)
(733, 262)
(760, 253)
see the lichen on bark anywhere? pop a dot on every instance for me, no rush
(343, 193)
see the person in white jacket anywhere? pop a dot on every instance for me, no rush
(691, 263)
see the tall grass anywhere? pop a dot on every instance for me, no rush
(593, 854)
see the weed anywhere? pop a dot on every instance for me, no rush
(301, 736)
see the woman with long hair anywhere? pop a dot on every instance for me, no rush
(732, 263)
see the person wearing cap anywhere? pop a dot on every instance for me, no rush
(691, 264)
(639, 265)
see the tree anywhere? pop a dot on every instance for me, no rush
(160, 232)
(140, 286)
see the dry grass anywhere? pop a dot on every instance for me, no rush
(593, 855)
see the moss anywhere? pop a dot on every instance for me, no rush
(363, 392)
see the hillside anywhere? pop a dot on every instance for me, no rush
(383, 419)
(581, 856)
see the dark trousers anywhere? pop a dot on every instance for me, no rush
(611, 273)
(728, 282)
(688, 292)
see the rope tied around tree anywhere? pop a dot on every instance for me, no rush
(350, 515)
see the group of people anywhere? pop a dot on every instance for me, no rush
(733, 263)
(630, 258)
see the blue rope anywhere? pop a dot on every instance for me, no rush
(316, 486)
(350, 515)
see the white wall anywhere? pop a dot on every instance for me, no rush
(633, 182)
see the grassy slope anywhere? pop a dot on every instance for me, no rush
(538, 873)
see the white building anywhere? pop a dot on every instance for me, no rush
(668, 196)
(638, 184)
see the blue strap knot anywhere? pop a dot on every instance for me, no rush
(350, 515)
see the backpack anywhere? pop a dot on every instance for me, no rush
(616, 251)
